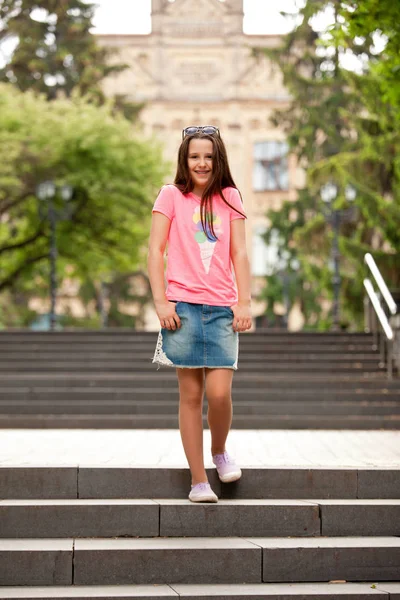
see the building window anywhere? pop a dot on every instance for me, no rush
(264, 258)
(270, 166)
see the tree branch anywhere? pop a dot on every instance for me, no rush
(34, 237)
(15, 274)
(5, 206)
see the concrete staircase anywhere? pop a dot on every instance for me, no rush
(82, 532)
(96, 379)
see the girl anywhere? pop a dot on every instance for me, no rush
(202, 312)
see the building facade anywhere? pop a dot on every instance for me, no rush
(197, 66)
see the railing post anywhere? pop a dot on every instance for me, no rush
(390, 359)
(396, 349)
(367, 314)
(381, 349)
(374, 331)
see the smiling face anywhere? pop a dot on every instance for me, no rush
(200, 163)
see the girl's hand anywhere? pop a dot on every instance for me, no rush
(242, 318)
(167, 314)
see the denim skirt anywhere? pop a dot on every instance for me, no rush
(205, 339)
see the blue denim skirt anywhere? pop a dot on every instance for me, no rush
(205, 339)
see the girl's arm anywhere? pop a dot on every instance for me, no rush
(165, 310)
(160, 226)
(240, 261)
(242, 318)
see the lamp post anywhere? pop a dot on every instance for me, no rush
(284, 275)
(54, 206)
(329, 193)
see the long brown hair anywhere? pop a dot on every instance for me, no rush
(220, 177)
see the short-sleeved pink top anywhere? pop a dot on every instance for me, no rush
(199, 269)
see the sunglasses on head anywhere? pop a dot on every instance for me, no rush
(208, 129)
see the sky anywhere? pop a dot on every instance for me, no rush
(260, 17)
(133, 16)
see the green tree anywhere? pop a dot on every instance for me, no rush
(115, 178)
(54, 51)
(319, 129)
(372, 162)
(380, 20)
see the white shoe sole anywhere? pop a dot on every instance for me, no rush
(204, 498)
(229, 477)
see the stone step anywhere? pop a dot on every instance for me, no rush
(218, 591)
(143, 405)
(248, 346)
(181, 518)
(169, 421)
(142, 356)
(132, 335)
(146, 518)
(168, 379)
(298, 483)
(198, 560)
(138, 396)
(147, 365)
(330, 558)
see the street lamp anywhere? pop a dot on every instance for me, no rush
(329, 193)
(55, 206)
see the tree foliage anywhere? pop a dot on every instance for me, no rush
(371, 163)
(114, 176)
(54, 51)
(340, 125)
(377, 19)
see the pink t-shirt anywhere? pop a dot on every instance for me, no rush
(199, 270)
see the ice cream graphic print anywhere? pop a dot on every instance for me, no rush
(206, 244)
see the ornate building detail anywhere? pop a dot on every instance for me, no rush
(197, 73)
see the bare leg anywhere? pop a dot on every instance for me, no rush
(191, 392)
(219, 396)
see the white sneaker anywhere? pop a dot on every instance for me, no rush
(202, 492)
(227, 468)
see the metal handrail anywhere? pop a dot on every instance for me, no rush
(378, 309)
(390, 340)
(368, 258)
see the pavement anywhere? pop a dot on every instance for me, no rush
(163, 448)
